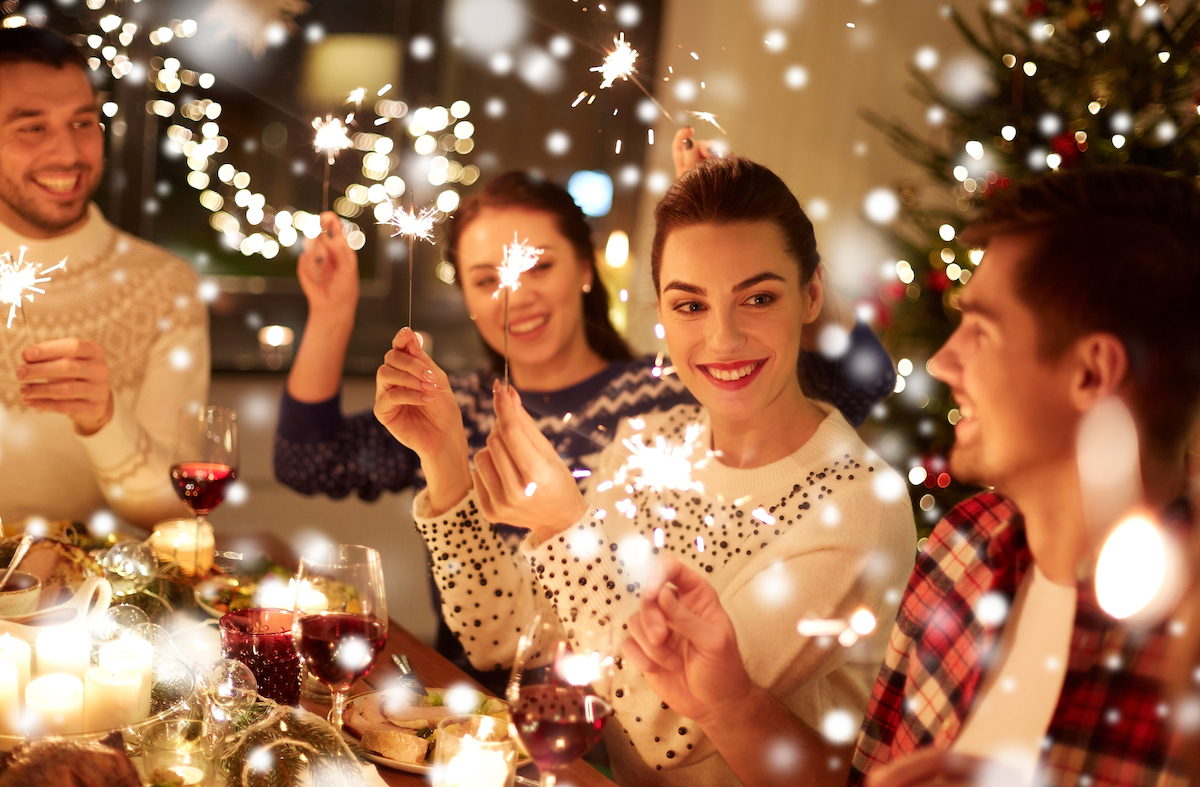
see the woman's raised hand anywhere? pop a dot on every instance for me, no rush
(683, 642)
(328, 273)
(519, 478)
(687, 151)
(413, 400)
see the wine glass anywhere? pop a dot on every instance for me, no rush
(204, 462)
(560, 692)
(340, 637)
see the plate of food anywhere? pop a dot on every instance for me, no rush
(398, 729)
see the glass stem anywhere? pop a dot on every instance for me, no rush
(196, 545)
(549, 779)
(339, 707)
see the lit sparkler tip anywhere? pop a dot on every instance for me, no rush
(413, 224)
(356, 96)
(707, 117)
(332, 136)
(618, 64)
(518, 258)
(19, 280)
(662, 465)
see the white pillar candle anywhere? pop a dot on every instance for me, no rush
(65, 650)
(130, 654)
(54, 705)
(176, 541)
(17, 653)
(110, 699)
(10, 702)
(189, 774)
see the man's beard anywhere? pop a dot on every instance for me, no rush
(27, 208)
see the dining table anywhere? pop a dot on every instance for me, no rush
(431, 667)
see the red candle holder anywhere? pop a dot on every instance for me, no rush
(262, 640)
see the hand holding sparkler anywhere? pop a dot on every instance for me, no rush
(68, 376)
(328, 274)
(683, 642)
(519, 477)
(687, 151)
(414, 402)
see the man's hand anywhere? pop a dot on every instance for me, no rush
(68, 376)
(684, 644)
(519, 478)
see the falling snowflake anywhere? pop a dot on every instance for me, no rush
(618, 64)
(20, 279)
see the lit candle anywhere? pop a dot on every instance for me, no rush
(273, 594)
(17, 653)
(110, 699)
(10, 702)
(176, 541)
(477, 765)
(189, 774)
(130, 654)
(65, 650)
(54, 705)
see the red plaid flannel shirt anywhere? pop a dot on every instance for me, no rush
(1110, 725)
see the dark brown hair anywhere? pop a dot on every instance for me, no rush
(519, 189)
(28, 44)
(728, 191)
(1115, 250)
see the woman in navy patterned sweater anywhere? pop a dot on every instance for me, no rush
(576, 375)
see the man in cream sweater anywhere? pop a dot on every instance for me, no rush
(93, 373)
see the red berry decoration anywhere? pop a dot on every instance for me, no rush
(1096, 10)
(938, 280)
(1064, 145)
(1035, 9)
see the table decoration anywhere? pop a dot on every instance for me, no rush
(178, 541)
(64, 649)
(111, 699)
(176, 751)
(279, 746)
(262, 640)
(10, 699)
(474, 751)
(18, 653)
(54, 705)
(130, 653)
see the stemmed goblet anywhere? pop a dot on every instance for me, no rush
(204, 461)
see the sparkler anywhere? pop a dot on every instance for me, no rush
(518, 258)
(707, 117)
(618, 64)
(661, 465)
(20, 279)
(331, 138)
(413, 225)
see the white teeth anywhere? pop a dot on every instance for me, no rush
(729, 375)
(61, 185)
(527, 326)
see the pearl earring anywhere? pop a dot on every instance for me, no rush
(587, 288)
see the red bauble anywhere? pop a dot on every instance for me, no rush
(938, 280)
(894, 291)
(1035, 9)
(1096, 10)
(1064, 145)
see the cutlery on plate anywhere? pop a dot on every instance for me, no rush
(22, 548)
(407, 676)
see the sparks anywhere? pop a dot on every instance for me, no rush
(518, 258)
(332, 137)
(411, 224)
(18, 276)
(661, 465)
(618, 64)
(356, 96)
(707, 117)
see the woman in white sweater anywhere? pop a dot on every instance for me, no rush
(788, 514)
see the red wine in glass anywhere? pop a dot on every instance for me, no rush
(558, 724)
(202, 485)
(339, 648)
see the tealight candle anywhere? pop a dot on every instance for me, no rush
(65, 650)
(54, 705)
(111, 699)
(131, 654)
(17, 653)
(177, 541)
(10, 702)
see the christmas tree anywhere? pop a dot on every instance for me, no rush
(1055, 84)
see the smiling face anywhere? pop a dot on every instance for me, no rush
(546, 323)
(732, 305)
(51, 148)
(1018, 420)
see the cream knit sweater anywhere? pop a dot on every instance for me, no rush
(140, 304)
(814, 535)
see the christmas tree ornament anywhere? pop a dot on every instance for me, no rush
(129, 566)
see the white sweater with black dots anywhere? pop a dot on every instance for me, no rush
(815, 535)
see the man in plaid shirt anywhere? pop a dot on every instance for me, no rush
(1002, 667)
